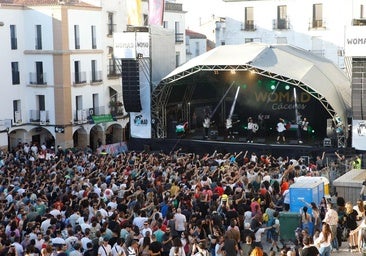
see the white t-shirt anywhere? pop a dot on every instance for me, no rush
(105, 250)
(180, 220)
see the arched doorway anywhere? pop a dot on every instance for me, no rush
(80, 138)
(96, 137)
(114, 134)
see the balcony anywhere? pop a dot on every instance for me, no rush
(110, 29)
(359, 22)
(96, 78)
(79, 78)
(179, 37)
(248, 25)
(39, 116)
(114, 70)
(81, 116)
(18, 117)
(38, 79)
(317, 24)
(116, 108)
(281, 24)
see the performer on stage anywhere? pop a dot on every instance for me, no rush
(229, 127)
(206, 125)
(252, 128)
(281, 128)
(303, 129)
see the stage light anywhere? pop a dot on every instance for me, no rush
(287, 87)
(273, 87)
(243, 86)
(232, 71)
(216, 72)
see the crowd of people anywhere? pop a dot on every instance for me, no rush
(156, 204)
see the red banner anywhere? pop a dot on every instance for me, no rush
(156, 12)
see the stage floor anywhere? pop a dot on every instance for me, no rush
(260, 146)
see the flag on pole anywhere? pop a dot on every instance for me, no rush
(134, 12)
(156, 12)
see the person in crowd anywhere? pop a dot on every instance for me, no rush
(350, 219)
(309, 249)
(331, 217)
(324, 240)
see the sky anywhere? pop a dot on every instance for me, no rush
(203, 9)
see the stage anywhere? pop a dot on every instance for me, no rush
(260, 146)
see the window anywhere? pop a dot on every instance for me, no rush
(94, 70)
(282, 17)
(38, 37)
(13, 37)
(94, 37)
(16, 110)
(77, 36)
(39, 73)
(177, 59)
(249, 18)
(197, 49)
(165, 24)
(317, 15)
(41, 102)
(79, 77)
(362, 11)
(110, 24)
(178, 36)
(15, 72)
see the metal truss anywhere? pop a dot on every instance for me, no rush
(162, 92)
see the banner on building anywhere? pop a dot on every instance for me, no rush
(134, 13)
(355, 41)
(128, 45)
(156, 12)
(359, 134)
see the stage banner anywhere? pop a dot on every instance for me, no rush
(125, 45)
(156, 12)
(134, 12)
(359, 134)
(113, 149)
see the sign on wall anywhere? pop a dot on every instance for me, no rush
(129, 45)
(355, 41)
(359, 134)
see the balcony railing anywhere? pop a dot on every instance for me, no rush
(179, 37)
(79, 78)
(38, 116)
(113, 70)
(110, 29)
(281, 24)
(101, 110)
(359, 22)
(81, 116)
(248, 25)
(17, 117)
(96, 77)
(317, 24)
(37, 79)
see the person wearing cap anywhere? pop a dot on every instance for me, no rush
(105, 248)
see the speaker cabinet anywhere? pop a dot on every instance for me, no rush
(131, 85)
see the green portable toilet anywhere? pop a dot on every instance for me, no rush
(289, 221)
